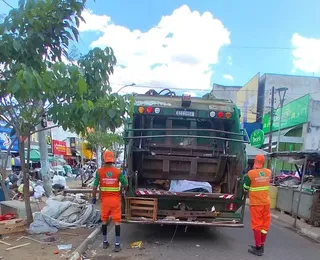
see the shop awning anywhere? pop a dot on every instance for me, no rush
(283, 138)
(253, 151)
(34, 155)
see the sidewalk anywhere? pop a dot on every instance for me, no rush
(302, 227)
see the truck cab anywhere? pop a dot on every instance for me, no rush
(185, 157)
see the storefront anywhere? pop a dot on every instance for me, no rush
(295, 117)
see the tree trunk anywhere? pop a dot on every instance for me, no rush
(98, 154)
(26, 182)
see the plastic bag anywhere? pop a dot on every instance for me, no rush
(59, 180)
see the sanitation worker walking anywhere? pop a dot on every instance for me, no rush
(257, 182)
(109, 178)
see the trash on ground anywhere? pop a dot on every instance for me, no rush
(11, 226)
(30, 238)
(197, 245)
(5, 243)
(65, 247)
(62, 212)
(138, 244)
(47, 239)
(15, 247)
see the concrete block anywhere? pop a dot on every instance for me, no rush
(16, 207)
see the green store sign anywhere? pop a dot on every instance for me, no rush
(293, 113)
(257, 138)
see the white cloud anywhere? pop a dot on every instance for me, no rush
(94, 22)
(177, 52)
(229, 60)
(306, 53)
(228, 77)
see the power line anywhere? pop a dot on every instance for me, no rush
(8, 4)
(260, 47)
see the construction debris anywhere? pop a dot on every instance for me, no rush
(15, 247)
(5, 243)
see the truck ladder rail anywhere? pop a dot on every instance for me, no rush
(188, 136)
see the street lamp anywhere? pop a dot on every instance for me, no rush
(282, 92)
(129, 85)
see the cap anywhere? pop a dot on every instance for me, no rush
(258, 161)
(108, 157)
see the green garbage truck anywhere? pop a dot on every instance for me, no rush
(184, 157)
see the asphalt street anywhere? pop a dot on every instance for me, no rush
(204, 243)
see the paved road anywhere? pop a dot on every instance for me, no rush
(205, 243)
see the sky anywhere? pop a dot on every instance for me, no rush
(191, 44)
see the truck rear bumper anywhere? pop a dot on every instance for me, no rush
(231, 224)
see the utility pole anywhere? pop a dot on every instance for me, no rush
(271, 124)
(44, 160)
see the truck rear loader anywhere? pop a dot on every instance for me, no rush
(185, 157)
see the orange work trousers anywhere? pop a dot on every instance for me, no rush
(111, 207)
(260, 218)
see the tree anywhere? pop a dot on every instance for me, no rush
(107, 141)
(35, 83)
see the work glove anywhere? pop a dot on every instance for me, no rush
(94, 200)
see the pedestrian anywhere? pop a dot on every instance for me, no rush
(109, 179)
(257, 182)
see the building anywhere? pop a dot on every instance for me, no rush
(298, 86)
(247, 100)
(225, 92)
(300, 127)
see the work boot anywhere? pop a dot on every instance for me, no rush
(117, 248)
(262, 248)
(255, 251)
(106, 245)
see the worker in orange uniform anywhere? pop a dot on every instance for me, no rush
(109, 179)
(257, 183)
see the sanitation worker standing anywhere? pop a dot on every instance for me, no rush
(109, 179)
(257, 183)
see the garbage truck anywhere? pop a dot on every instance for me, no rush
(184, 157)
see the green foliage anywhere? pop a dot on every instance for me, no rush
(33, 40)
(34, 81)
(107, 141)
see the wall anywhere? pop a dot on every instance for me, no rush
(312, 136)
(226, 92)
(298, 86)
(247, 100)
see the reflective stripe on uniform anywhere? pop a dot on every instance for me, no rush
(113, 189)
(263, 188)
(246, 186)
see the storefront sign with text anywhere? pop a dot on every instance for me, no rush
(59, 147)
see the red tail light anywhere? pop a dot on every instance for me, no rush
(220, 114)
(149, 110)
(231, 206)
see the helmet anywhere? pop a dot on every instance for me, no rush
(108, 157)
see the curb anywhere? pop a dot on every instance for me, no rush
(302, 230)
(77, 254)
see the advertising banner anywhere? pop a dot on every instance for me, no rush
(59, 147)
(293, 113)
(6, 140)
